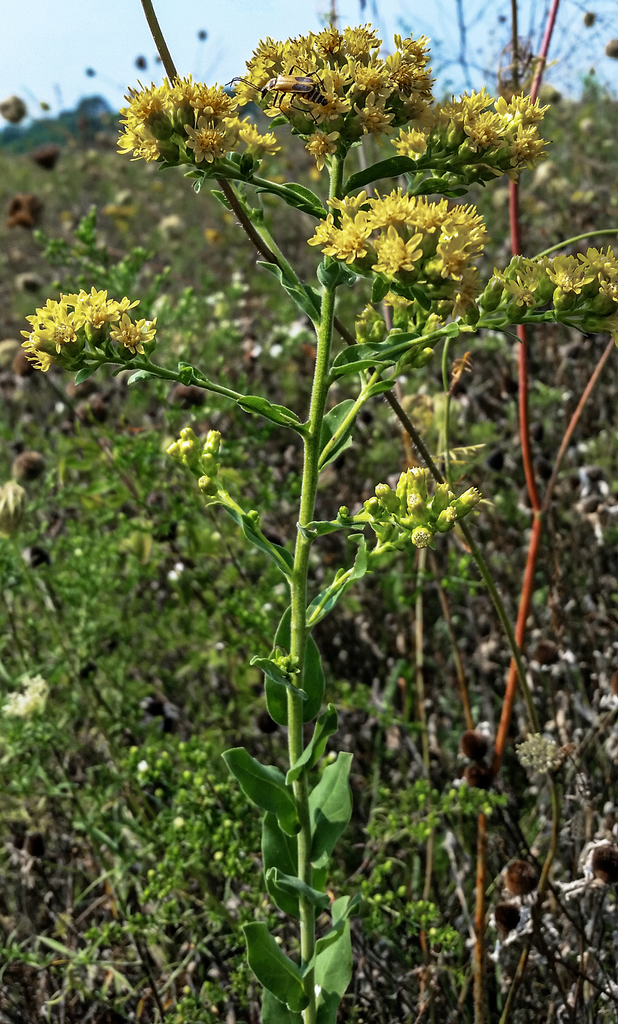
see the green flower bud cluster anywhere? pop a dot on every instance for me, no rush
(371, 327)
(408, 513)
(580, 291)
(200, 460)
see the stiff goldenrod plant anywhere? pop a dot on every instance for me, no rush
(415, 257)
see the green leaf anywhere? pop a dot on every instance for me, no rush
(379, 289)
(286, 891)
(333, 273)
(87, 371)
(384, 353)
(313, 682)
(274, 1011)
(133, 379)
(278, 676)
(342, 910)
(325, 726)
(221, 197)
(333, 966)
(186, 372)
(274, 413)
(330, 805)
(280, 556)
(319, 529)
(305, 297)
(297, 196)
(280, 851)
(390, 168)
(380, 387)
(272, 968)
(443, 185)
(344, 578)
(330, 424)
(265, 786)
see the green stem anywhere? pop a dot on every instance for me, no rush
(298, 586)
(349, 419)
(159, 40)
(575, 238)
(447, 410)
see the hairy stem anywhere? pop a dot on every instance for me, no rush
(298, 586)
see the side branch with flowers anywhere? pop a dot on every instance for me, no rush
(413, 255)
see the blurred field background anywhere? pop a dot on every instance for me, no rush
(129, 860)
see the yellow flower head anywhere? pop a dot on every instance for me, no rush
(55, 325)
(361, 42)
(410, 142)
(318, 79)
(210, 143)
(395, 254)
(348, 243)
(568, 274)
(258, 145)
(373, 116)
(321, 145)
(133, 335)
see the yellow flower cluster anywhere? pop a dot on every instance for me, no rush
(188, 122)
(412, 243)
(583, 289)
(502, 140)
(334, 87)
(60, 329)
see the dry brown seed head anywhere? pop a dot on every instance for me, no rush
(520, 878)
(507, 916)
(479, 776)
(473, 744)
(605, 863)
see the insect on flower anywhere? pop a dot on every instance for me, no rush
(308, 87)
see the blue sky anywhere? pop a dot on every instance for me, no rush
(46, 48)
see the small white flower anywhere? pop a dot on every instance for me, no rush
(142, 766)
(31, 699)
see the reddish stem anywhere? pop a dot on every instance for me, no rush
(542, 58)
(479, 920)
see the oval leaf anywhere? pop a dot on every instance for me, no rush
(272, 968)
(330, 805)
(265, 786)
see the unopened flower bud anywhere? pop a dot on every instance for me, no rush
(491, 298)
(446, 520)
(415, 505)
(466, 501)
(423, 357)
(12, 506)
(372, 506)
(208, 486)
(387, 498)
(417, 482)
(563, 301)
(441, 499)
(213, 442)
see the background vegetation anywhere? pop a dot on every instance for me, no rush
(130, 860)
